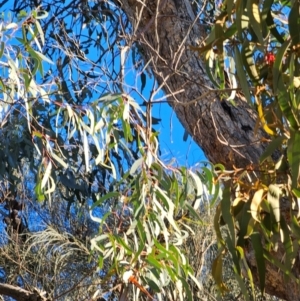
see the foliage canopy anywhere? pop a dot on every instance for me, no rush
(75, 136)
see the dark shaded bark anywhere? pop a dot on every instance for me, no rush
(165, 29)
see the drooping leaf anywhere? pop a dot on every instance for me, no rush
(277, 67)
(226, 212)
(248, 271)
(293, 154)
(259, 257)
(294, 22)
(255, 204)
(272, 147)
(285, 104)
(273, 198)
(217, 272)
(248, 61)
(242, 76)
(255, 19)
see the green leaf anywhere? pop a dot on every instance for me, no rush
(38, 192)
(122, 243)
(217, 273)
(259, 257)
(43, 57)
(272, 147)
(109, 195)
(152, 284)
(294, 23)
(266, 8)
(226, 212)
(209, 178)
(249, 64)
(216, 193)
(229, 7)
(242, 75)
(270, 257)
(188, 294)
(217, 225)
(153, 262)
(208, 68)
(242, 20)
(193, 212)
(230, 244)
(278, 64)
(2, 45)
(293, 154)
(37, 58)
(249, 274)
(290, 253)
(243, 287)
(285, 104)
(296, 225)
(273, 198)
(291, 79)
(273, 28)
(255, 19)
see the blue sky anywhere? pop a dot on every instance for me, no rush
(173, 147)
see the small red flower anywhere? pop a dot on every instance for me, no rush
(270, 58)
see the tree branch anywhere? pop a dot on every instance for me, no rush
(20, 294)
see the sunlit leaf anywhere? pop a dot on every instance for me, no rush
(273, 198)
(39, 193)
(248, 60)
(46, 174)
(255, 19)
(255, 204)
(136, 165)
(199, 190)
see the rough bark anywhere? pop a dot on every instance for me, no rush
(165, 29)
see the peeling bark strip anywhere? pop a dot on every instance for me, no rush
(165, 29)
(20, 294)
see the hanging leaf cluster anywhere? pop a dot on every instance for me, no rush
(256, 44)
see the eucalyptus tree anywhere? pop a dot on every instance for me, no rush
(236, 94)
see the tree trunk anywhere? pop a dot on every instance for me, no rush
(165, 29)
